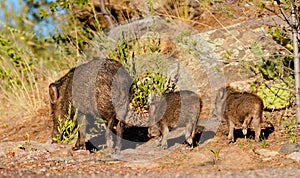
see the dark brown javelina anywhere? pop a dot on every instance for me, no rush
(239, 110)
(98, 88)
(173, 110)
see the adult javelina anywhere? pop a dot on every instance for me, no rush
(98, 88)
(239, 109)
(171, 110)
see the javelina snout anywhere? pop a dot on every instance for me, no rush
(98, 88)
(239, 110)
(172, 110)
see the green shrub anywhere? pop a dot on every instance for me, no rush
(272, 68)
(146, 79)
(143, 86)
(275, 95)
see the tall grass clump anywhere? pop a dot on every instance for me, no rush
(20, 78)
(27, 64)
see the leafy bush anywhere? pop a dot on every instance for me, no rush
(275, 95)
(13, 65)
(273, 68)
(148, 80)
(143, 86)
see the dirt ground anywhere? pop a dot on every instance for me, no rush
(25, 149)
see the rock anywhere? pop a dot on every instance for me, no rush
(141, 164)
(26, 146)
(80, 153)
(266, 155)
(289, 148)
(60, 158)
(295, 156)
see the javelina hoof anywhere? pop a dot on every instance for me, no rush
(244, 131)
(110, 151)
(75, 148)
(117, 150)
(190, 141)
(230, 141)
(163, 147)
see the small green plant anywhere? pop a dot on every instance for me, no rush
(261, 4)
(216, 153)
(186, 157)
(264, 143)
(122, 52)
(289, 126)
(241, 145)
(250, 143)
(182, 37)
(228, 54)
(94, 150)
(27, 143)
(67, 128)
(228, 11)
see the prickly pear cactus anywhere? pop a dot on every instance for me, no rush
(278, 96)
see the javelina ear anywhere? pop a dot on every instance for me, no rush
(53, 92)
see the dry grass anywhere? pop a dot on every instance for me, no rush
(23, 95)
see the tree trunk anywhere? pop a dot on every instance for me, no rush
(296, 60)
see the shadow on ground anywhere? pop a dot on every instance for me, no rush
(136, 136)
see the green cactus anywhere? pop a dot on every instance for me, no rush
(275, 97)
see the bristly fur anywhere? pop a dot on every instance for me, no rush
(175, 109)
(98, 88)
(239, 109)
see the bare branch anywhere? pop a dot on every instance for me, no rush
(106, 14)
(283, 13)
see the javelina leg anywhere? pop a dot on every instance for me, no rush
(256, 122)
(54, 134)
(108, 135)
(246, 124)
(120, 127)
(190, 139)
(231, 132)
(189, 133)
(165, 132)
(154, 131)
(81, 121)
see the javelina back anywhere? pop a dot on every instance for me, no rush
(171, 110)
(98, 88)
(239, 110)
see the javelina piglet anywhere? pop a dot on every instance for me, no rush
(98, 88)
(173, 110)
(239, 109)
